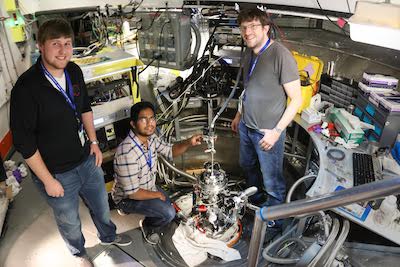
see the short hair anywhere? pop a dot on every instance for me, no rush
(252, 14)
(138, 107)
(53, 29)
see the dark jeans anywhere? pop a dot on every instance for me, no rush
(263, 169)
(85, 181)
(157, 212)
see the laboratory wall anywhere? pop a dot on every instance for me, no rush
(13, 62)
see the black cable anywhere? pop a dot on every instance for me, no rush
(151, 61)
(137, 47)
(209, 41)
(334, 23)
(160, 35)
(159, 51)
(152, 22)
(336, 154)
(159, 48)
(134, 10)
(348, 5)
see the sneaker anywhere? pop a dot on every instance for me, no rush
(120, 240)
(121, 212)
(150, 237)
(83, 261)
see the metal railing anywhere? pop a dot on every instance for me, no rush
(344, 197)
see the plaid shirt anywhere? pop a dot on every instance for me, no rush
(131, 169)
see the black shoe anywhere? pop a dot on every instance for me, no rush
(271, 234)
(149, 236)
(258, 199)
(120, 240)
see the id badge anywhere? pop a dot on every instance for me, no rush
(81, 134)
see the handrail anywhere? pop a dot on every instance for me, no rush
(344, 197)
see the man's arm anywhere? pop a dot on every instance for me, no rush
(235, 122)
(87, 120)
(293, 90)
(53, 187)
(236, 119)
(180, 148)
(23, 125)
(143, 194)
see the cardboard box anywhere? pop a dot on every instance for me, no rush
(346, 131)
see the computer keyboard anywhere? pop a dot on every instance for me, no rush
(363, 169)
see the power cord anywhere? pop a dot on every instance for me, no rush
(156, 56)
(334, 23)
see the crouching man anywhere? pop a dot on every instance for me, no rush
(135, 167)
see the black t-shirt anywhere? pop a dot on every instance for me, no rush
(41, 119)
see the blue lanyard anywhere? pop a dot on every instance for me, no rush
(253, 63)
(148, 158)
(68, 98)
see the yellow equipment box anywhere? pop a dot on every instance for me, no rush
(310, 71)
(10, 5)
(17, 33)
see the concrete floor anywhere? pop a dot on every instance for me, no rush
(31, 237)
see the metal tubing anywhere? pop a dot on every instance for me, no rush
(176, 123)
(178, 171)
(295, 135)
(294, 155)
(342, 237)
(327, 245)
(336, 199)
(257, 238)
(294, 186)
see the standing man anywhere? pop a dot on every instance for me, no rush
(50, 118)
(135, 166)
(270, 74)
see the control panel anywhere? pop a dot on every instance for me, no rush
(164, 38)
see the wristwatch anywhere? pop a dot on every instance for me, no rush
(94, 142)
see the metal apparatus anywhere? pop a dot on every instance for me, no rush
(212, 208)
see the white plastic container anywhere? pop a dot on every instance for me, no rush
(376, 24)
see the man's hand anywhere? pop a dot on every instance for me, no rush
(94, 149)
(235, 123)
(195, 140)
(269, 139)
(54, 188)
(161, 196)
(181, 147)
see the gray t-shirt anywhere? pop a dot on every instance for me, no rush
(265, 97)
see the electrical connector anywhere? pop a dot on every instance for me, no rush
(157, 55)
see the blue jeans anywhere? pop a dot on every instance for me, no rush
(158, 213)
(262, 168)
(85, 181)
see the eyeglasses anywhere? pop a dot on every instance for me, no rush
(144, 120)
(251, 27)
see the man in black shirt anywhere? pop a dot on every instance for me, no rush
(52, 127)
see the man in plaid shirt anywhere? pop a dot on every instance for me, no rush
(135, 166)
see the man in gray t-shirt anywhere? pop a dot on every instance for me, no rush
(270, 75)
